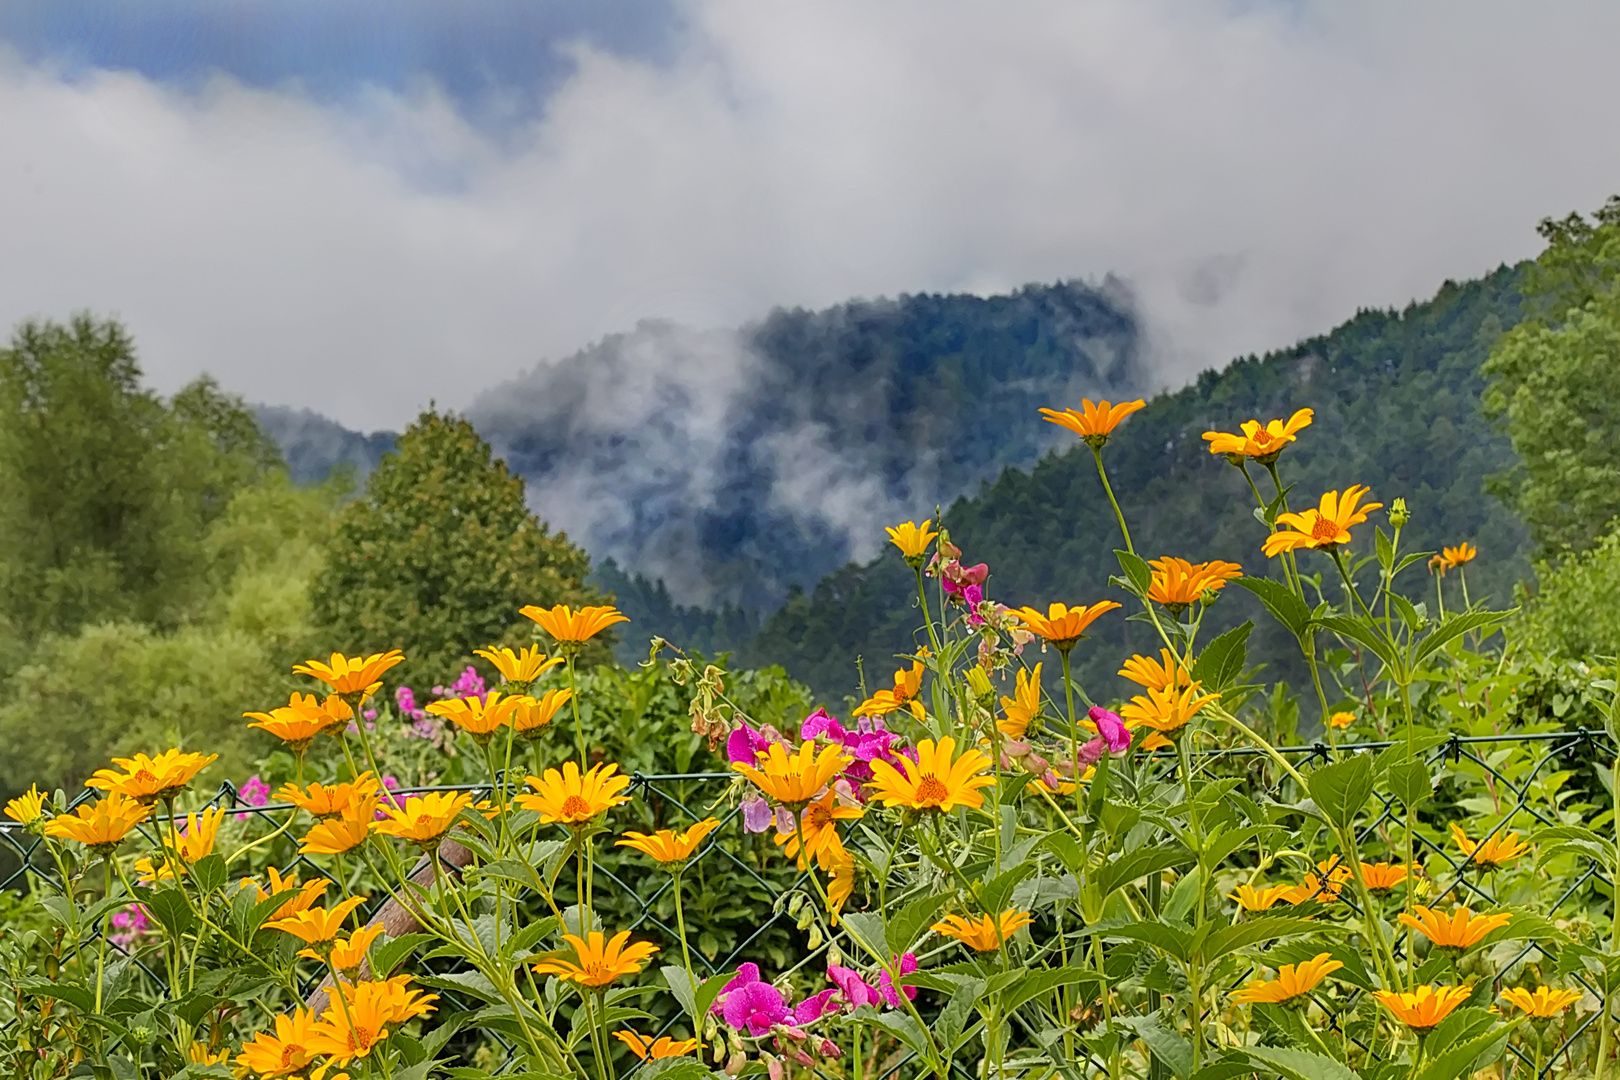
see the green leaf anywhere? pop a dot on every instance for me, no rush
(1229, 939)
(1410, 783)
(903, 1027)
(172, 911)
(388, 954)
(1220, 665)
(80, 997)
(1299, 1064)
(914, 918)
(1458, 1059)
(1340, 790)
(1136, 570)
(1370, 637)
(1280, 600)
(1167, 1046)
(695, 1000)
(1138, 864)
(209, 872)
(955, 1015)
(1455, 627)
(1038, 981)
(867, 928)
(681, 1068)
(1168, 939)
(466, 982)
(997, 890)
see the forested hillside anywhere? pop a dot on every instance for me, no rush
(1396, 396)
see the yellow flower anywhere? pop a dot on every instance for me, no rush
(571, 799)
(1292, 981)
(199, 1054)
(934, 782)
(1093, 422)
(197, 842)
(912, 540)
(478, 716)
(288, 1050)
(1456, 556)
(796, 779)
(316, 926)
(596, 964)
(819, 823)
(350, 952)
(668, 846)
(424, 818)
(1382, 877)
(150, 779)
(1154, 675)
(519, 667)
(664, 1047)
(1341, 720)
(841, 885)
(99, 825)
(351, 1028)
(532, 714)
(303, 898)
(1177, 583)
(1062, 625)
(573, 628)
(1250, 898)
(1463, 930)
(1542, 1002)
(1324, 527)
(1424, 1010)
(355, 677)
(334, 836)
(1261, 443)
(302, 718)
(1325, 885)
(1025, 704)
(1165, 711)
(149, 873)
(27, 808)
(1496, 851)
(982, 933)
(907, 685)
(332, 800)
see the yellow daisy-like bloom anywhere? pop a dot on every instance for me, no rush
(197, 842)
(1093, 422)
(1382, 877)
(934, 781)
(668, 846)
(1456, 556)
(99, 825)
(287, 1051)
(519, 667)
(1261, 443)
(1265, 898)
(841, 885)
(912, 540)
(1177, 583)
(316, 926)
(981, 933)
(1145, 671)
(150, 873)
(1165, 711)
(424, 818)
(352, 1027)
(1062, 625)
(819, 823)
(302, 718)
(797, 778)
(1543, 1002)
(1292, 981)
(907, 685)
(150, 779)
(1463, 930)
(573, 628)
(663, 1047)
(199, 1054)
(1024, 706)
(1325, 885)
(332, 800)
(478, 716)
(27, 808)
(1424, 1010)
(530, 714)
(1341, 720)
(1498, 850)
(349, 953)
(355, 677)
(334, 836)
(597, 962)
(1324, 527)
(303, 898)
(569, 798)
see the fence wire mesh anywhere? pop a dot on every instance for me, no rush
(1525, 777)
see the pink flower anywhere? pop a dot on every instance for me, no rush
(855, 990)
(467, 685)
(756, 813)
(1091, 753)
(814, 1008)
(957, 579)
(908, 964)
(748, 1004)
(254, 792)
(744, 745)
(1111, 729)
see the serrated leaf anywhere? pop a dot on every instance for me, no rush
(914, 918)
(954, 1016)
(1410, 782)
(1459, 1058)
(1220, 665)
(1341, 789)
(1455, 627)
(389, 953)
(1138, 864)
(1369, 637)
(1168, 1046)
(1229, 939)
(1137, 571)
(209, 873)
(1286, 607)
(1300, 1064)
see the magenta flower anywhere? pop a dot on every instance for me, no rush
(958, 579)
(855, 990)
(748, 1004)
(254, 792)
(1111, 729)
(908, 964)
(814, 1008)
(744, 745)
(468, 684)
(869, 742)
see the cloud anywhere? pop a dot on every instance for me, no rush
(1256, 171)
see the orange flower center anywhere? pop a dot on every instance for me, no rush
(143, 778)
(931, 789)
(1323, 529)
(818, 817)
(1263, 439)
(576, 808)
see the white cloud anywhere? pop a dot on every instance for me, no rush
(1257, 172)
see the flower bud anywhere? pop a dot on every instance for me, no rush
(829, 1049)
(1398, 514)
(979, 683)
(736, 1063)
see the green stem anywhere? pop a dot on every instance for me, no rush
(686, 959)
(1096, 453)
(573, 702)
(101, 958)
(928, 620)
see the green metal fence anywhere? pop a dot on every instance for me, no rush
(1510, 765)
